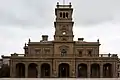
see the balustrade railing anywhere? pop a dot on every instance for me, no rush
(63, 56)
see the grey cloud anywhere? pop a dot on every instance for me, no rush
(40, 13)
(95, 11)
(26, 13)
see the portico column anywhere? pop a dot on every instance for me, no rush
(39, 70)
(73, 74)
(88, 71)
(14, 70)
(114, 71)
(26, 70)
(11, 70)
(101, 70)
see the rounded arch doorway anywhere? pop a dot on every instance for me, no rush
(45, 70)
(82, 70)
(20, 70)
(63, 70)
(107, 70)
(32, 70)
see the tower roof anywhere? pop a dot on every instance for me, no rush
(64, 5)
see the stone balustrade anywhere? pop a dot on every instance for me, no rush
(66, 56)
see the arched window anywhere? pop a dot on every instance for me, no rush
(63, 52)
(66, 15)
(63, 14)
(60, 14)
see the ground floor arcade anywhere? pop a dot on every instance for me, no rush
(63, 70)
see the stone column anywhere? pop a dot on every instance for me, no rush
(114, 71)
(39, 70)
(11, 70)
(73, 74)
(51, 70)
(14, 70)
(117, 70)
(89, 70)
(26, 70)
(101, 70)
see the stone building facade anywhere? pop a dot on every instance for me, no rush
(5, 60)
(118, 68)
(0, 63)
(63, 57)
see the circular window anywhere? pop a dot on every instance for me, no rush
(64, 33)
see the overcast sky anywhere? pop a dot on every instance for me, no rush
(24, 19)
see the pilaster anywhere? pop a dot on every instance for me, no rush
(11, 69)
(39, 70)
(89, 70)
(101, 70)
(26, 70)
(114, 71)
(54, 72)
(14, 70)
(73, 71)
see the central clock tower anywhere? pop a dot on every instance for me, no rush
(63, 24)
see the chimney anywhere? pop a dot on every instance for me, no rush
(80, 39)
(44, 37)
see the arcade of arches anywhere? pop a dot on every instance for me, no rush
(45, 70)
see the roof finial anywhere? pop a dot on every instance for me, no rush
(57, 3)
(98, 40)
(25, 44)
(70, 4)
(29, 40)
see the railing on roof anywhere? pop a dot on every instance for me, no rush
(64, 56)
(64, 5)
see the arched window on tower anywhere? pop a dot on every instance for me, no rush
(60, 14)
(63, 14)
(66, 14)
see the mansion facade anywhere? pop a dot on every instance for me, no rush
(63, 57)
